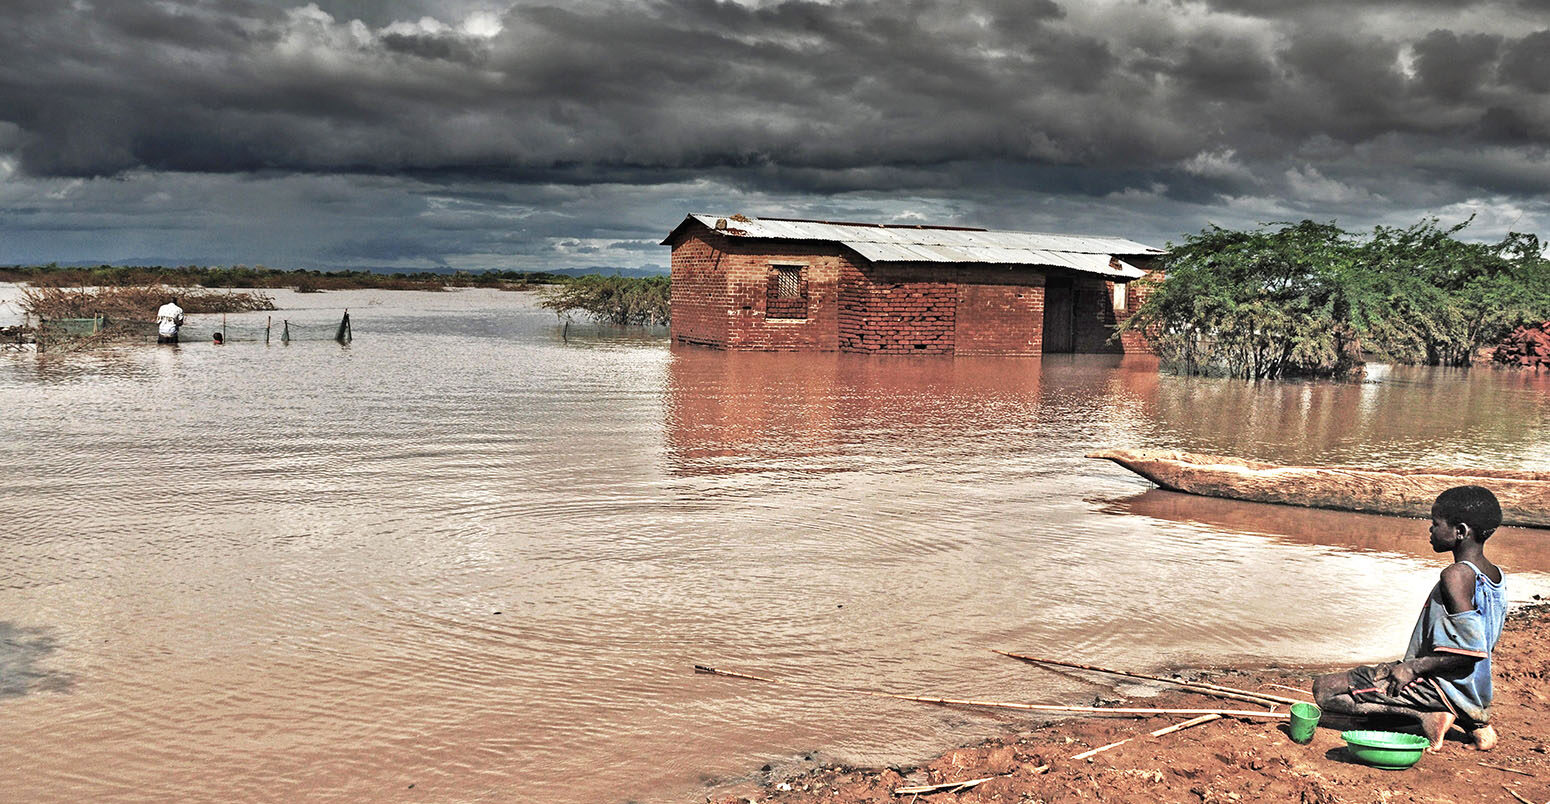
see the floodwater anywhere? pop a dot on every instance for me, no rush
(473, 556)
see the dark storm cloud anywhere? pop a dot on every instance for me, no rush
(1451, 66)
(1527, 62)
(984, 111)
(610, 91)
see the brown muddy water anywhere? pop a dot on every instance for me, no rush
(469, 558)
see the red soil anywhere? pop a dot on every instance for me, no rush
(1224, 760)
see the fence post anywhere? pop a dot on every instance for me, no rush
(268, 322)
(285, 330)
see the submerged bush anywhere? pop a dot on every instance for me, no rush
(1309, 298)
(618, 300)
(135, 303)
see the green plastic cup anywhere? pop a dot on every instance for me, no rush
(1305, 717)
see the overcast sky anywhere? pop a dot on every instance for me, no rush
(532, 135)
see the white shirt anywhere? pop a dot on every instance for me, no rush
(169, 317)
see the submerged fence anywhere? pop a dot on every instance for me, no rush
(71, 334)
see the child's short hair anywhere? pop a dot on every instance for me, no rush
(1474, 506)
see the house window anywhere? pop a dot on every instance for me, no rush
(786, 296)
(1119, 297)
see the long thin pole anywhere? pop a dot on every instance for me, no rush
(1263, 697)
(1097, 710)
(1028, 707)
(1194, 721)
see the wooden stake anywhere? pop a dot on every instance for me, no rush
(1158, 733)
(1293, 689)
(1234, 692)
(1025, 707)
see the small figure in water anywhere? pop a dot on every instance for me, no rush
(1445, 677)
(218, 338)
(169, 318)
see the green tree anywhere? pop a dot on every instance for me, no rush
(1309, 298)
(611, 299)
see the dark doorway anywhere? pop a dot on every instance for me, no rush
(1059, 316)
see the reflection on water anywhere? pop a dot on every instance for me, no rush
(478, 553)
(22, 662)
(1513, 548)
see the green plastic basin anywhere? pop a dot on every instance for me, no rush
(1389, 750)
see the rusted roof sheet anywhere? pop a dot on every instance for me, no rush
(880, 243)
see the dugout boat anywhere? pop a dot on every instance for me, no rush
(1525, 496)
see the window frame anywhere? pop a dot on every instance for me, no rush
(783, 307)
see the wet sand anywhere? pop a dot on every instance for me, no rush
(1223, 761)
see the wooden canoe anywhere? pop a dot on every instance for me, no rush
(1525, 496)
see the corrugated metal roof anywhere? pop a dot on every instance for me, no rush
(880, 243)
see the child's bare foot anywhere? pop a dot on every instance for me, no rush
(1484, 737)
(1435, 726)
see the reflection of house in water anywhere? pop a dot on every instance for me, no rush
(750, 412)
(744, 283)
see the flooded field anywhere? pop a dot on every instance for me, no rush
(473, 557)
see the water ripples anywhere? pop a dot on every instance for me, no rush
(477, 554)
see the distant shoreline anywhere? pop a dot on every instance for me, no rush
(241, 276)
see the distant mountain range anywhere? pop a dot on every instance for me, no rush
(605, 270)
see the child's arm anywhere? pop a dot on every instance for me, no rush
(1458, 595)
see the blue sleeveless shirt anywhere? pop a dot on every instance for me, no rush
(1470, 633)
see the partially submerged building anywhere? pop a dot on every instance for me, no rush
(784, 284)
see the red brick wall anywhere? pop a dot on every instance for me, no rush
(699, 295)
(721, 294)
(996, 316)
(897, 310)
(730, 313)
(1135, 294)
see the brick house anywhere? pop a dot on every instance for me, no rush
(746, 283)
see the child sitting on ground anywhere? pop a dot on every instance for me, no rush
(1445, 676)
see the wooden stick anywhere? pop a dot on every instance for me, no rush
(700, 668)
(1264, 697)
(1026, 707)
(1505, 768)
(1158, 733)
(1515, 795)
(1188, 724)
(1293, 689)
(937, 788)
(956, 786)
(1096, 710)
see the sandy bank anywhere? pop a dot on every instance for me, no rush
(1224, 760)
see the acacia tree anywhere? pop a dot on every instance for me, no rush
(611, 299)
(1254, 304)
(1308, 298)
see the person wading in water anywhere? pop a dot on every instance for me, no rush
(169, 318)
